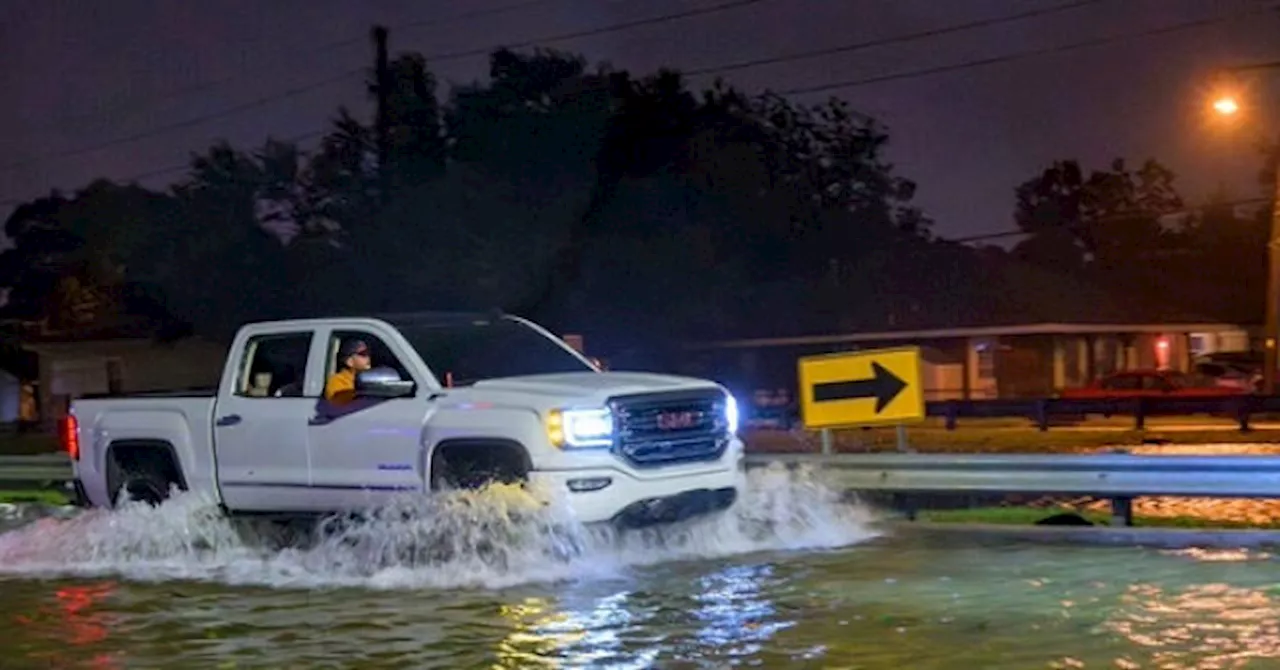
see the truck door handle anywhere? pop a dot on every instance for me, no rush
(319, 420)
(229, 420)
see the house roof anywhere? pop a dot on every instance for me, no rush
(945, 289)
(973, 331)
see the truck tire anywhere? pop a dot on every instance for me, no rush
(473, 463)
(145, 473)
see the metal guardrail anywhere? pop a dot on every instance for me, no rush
(1045, 411)
(1102, 475)
(35, 469)
(1119, 477)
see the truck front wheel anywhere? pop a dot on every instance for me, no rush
(471, 464)
(142, 472)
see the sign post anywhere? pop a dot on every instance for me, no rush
(861, 388)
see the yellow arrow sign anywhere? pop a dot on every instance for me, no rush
(861, 388)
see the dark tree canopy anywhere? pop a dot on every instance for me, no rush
(628, 207)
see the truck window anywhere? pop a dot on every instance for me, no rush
(274, 366)
(461, 354)
(380, 354)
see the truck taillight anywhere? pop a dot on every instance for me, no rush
(71, 437)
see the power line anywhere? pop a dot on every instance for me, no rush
(336, 44)
(1115, 217)
(1022, 55)
(677, 16)
(180, 167)
(192, 122)
(603, 30)
(315, 85)
(897, 39)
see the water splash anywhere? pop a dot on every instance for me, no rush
(494, 537)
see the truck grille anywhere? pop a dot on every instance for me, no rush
(670, 428)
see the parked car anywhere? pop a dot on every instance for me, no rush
(1239, 370)
(1150, 383)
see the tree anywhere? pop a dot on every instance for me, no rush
(415, 140)
(629, 206)
(31, 269)
(1105, 220)
(220, 256)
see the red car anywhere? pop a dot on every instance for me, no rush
(1150, 383)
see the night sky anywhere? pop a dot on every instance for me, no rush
(121, 88)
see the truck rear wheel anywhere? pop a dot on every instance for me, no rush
(142, 472)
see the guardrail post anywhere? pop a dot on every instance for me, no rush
(951, 412)
(1139, 414)
(907, 504)
(826, 442)
(1122, 512)
(1243, 410)
(1042, 414)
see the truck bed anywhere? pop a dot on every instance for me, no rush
(182, 420)
(194, 392)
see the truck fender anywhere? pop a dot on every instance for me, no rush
(512, 457)
(126, 456)
(163, 429)
(495, 436)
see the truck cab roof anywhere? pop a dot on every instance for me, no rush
(397, 319)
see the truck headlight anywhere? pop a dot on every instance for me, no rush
(731, 412)
(580, 428)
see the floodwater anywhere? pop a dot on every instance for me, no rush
(793, 579)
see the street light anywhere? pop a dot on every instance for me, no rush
(1227, 105)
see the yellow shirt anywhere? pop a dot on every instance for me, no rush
(341, 387)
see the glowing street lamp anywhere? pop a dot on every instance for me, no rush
(1226, 106)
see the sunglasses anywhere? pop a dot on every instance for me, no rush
(360, 352)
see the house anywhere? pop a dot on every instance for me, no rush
(124, 358)
(1003, 328)
(1009, 361)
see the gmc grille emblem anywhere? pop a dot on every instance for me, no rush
(677, 420)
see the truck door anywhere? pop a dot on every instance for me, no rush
(260, 423)
(365, 451)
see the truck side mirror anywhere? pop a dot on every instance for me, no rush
(383, 383)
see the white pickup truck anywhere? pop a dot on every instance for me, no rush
(453, 401)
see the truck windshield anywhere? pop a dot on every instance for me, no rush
(464, 353)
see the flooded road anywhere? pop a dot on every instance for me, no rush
(794, 579)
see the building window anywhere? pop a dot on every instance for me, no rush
(1197, 344)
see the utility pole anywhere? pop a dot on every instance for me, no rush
(382, 122)
(1270, 358)
(1271, 329)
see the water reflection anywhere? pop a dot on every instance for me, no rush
(888, 606)
(548, 636)
(737, 617)
(1207, 626)
(74, 619)
(731, 617)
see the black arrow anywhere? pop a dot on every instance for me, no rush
(884, 386)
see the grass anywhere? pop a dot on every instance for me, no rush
(25, 444)
(1026, 516)
(1017, 436)
(42, 496)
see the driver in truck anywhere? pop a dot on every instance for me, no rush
(353, 358)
